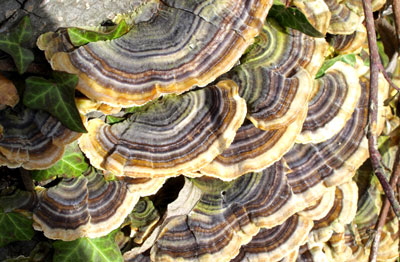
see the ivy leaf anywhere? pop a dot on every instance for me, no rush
(80, 37)
(102, 249)
(293, 18)
(55, 96)
(113, 119)
(11, 43)
(72, 164)
(278, 2)
(348, 59)
(14, 227)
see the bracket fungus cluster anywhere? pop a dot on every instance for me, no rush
(217, 93)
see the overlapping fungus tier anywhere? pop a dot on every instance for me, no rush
(340, 214)
(273, 100)
(32, 139)
(313, 167)
(284, 50)
(142, 219)
(276, 243)
(167, 137)
(317, 13)
(88, 206)
(333, 101)
(186, 43)
(356, 5)
(349, 44)
(343, 20)
(226, 216)
(321, 207)
(253, 149)
(272, 71)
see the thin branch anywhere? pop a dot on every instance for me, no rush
(394, 179)
(375, 66)
(389, 70)
(387, 77)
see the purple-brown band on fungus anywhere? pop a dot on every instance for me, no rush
(88, 206)
(276, 243)
(332, 103)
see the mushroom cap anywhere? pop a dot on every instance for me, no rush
(276, 243)
(343, 20)
(285, 50)
(356, 5)
(143, 219)
(349, 44)
(32, 139)
(254, 149)
(186, 43)
(321, 207)
(9, 93)
(291, 257)
(333, 101)
(54, 42)
(340, 214)
(311, 168)
(85, 106)
(167, 137)
(88, 206)
(273, 100)
(317, 13)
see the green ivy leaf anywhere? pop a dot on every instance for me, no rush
(278, 2)
(80, 37)
(14, 227)
(72, 164)
(113, 119)
(293, 18)
(11, 43)
(102, 249)
(55, 96)
(348, 59)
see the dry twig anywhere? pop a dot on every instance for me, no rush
(375, 67)
(394, 179)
